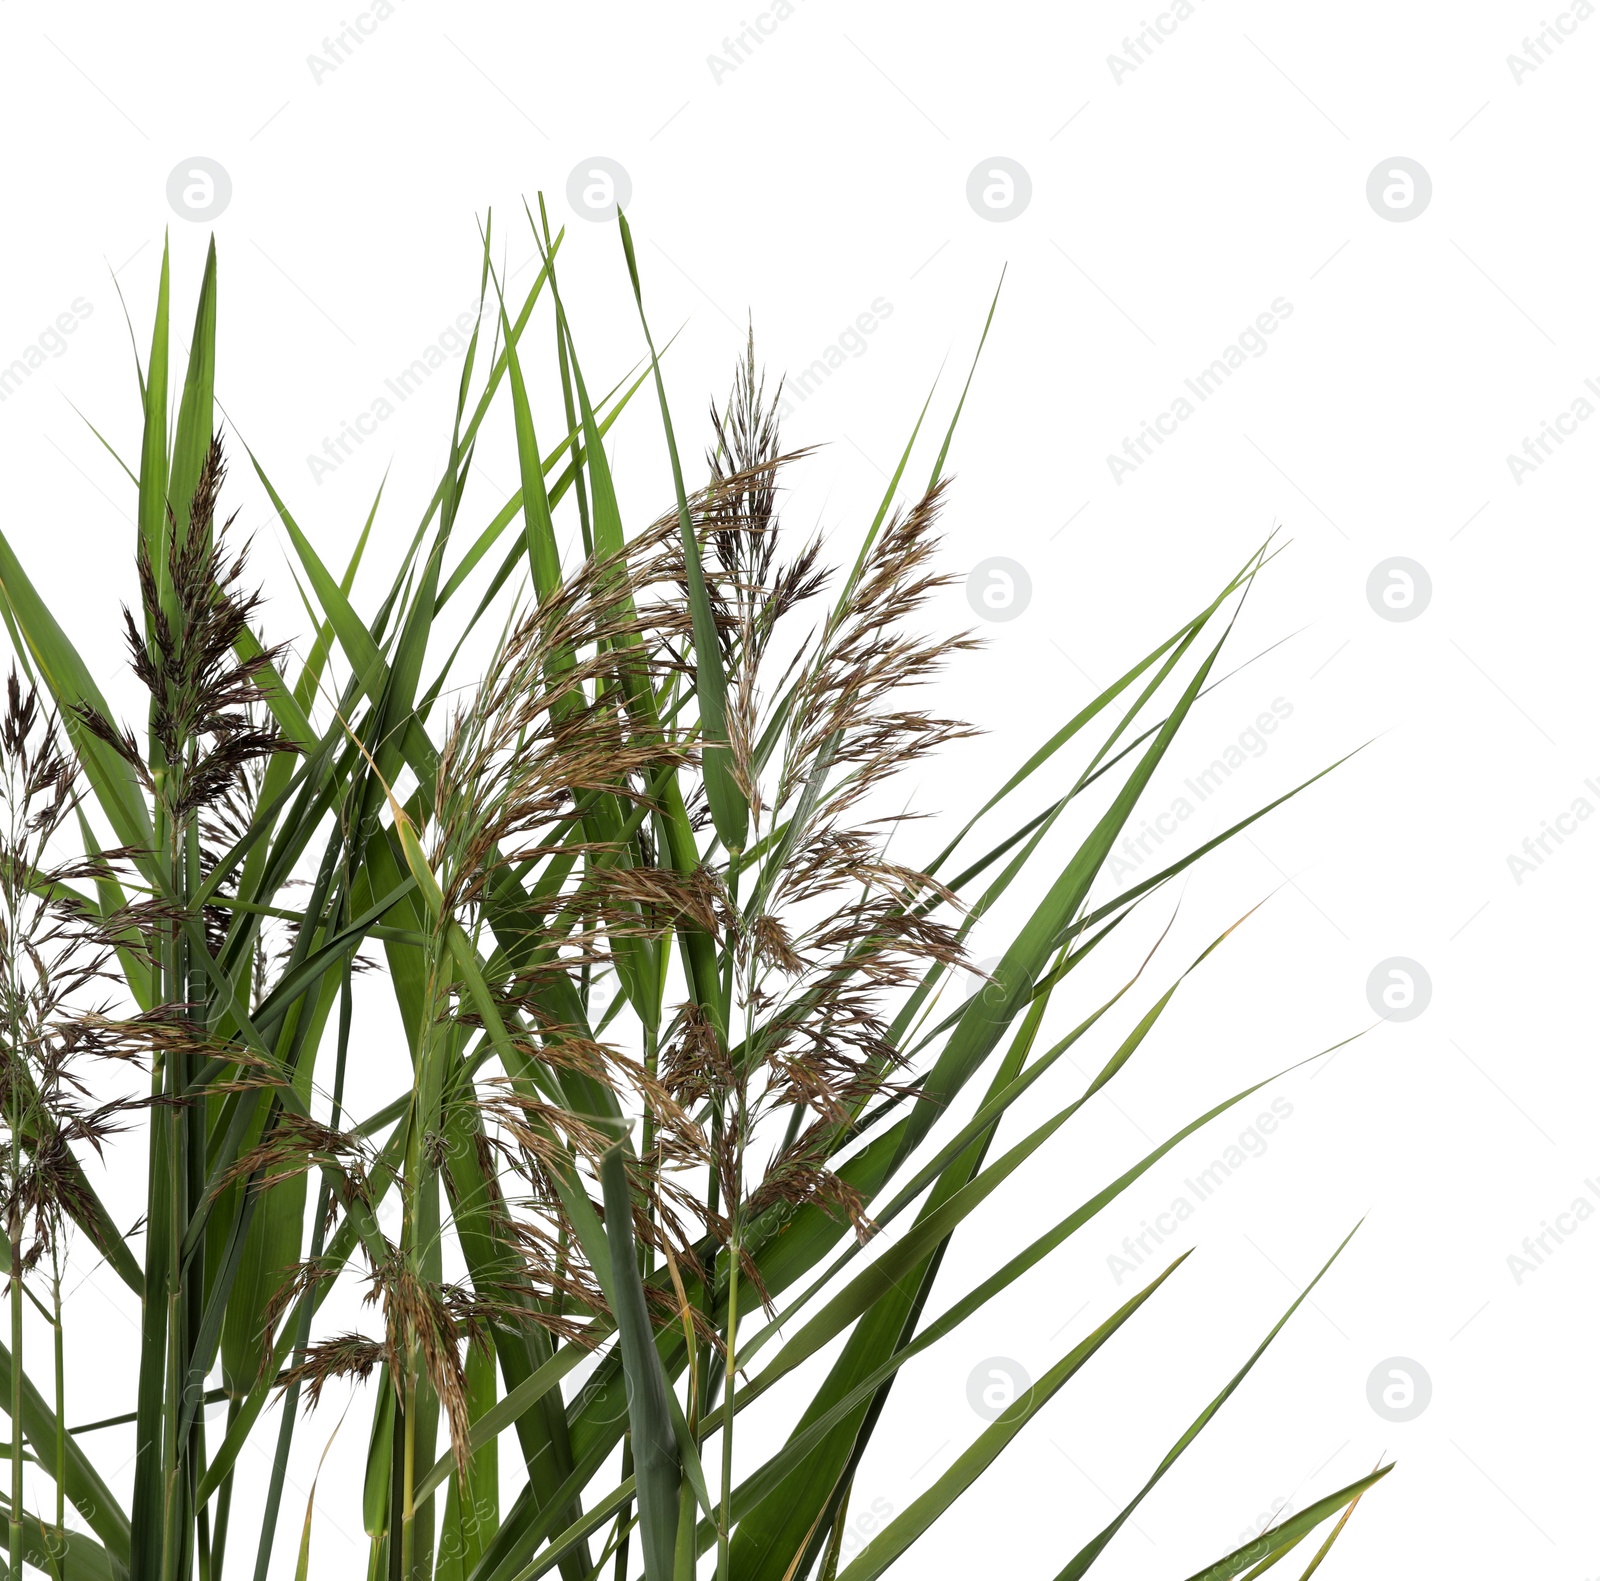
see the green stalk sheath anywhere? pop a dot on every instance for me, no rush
(408, 1504)
(175, 1536)
(15, 1406)
(15, 1055)
(657, 1470)
(59, 1337)
(730, 1378)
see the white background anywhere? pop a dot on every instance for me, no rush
(1168, 210)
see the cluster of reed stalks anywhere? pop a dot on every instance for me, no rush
(688, 1088)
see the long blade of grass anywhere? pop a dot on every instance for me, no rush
(192, 438)
(1288, 1532)
(729, 809)
(1092, 1550)
(912, 1522)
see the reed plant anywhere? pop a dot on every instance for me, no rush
(688, 1101)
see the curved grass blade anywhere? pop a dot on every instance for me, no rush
(1286, 1533)
(84, 1486)
(68, 681)
(1092, 1550)
(302, 1568)
(922, 1512)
